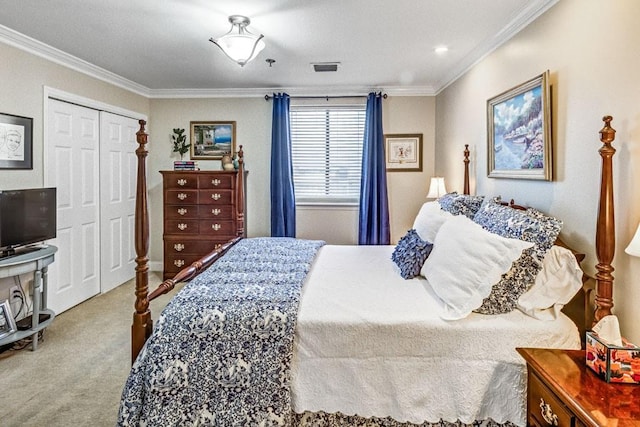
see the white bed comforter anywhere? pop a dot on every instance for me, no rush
(373, 344)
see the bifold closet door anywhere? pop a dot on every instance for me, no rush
(118, 169)
(72, 165)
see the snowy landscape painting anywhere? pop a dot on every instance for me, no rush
(519, 131)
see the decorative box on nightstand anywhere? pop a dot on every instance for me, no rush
(562, 391)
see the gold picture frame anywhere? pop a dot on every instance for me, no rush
(211, 140)
(519, 132)
(403, 152)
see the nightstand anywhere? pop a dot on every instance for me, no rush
(562, 391)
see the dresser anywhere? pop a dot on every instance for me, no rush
(202, 210)
(562, 391)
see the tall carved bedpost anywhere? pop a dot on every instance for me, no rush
(240, 192)
(142, 323)
(605, 229)
(466, 170)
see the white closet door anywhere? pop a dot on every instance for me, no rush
(72, 165)
(117, 199)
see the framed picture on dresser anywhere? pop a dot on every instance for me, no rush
(212, 140)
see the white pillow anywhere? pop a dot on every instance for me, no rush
(429, 220)
(466, 261)
(558, 281)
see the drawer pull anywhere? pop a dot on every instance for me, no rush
(215, 182)
(182, 181)
(179, 247)
(215, 211)
(178, 263)
(547, 413)
(217, 246)
(216, 227)
(182, 226)
(182, 211)
(182, 196)
(215, 196)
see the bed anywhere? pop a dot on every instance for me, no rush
(273, 331)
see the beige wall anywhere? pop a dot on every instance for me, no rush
(253, 131)
(24, 77)
(591, 53)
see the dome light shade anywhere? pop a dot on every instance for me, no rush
(239, 44)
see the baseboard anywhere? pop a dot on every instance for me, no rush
(156, 266)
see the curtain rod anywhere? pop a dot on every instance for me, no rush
(268, 97)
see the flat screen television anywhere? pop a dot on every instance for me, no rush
(26, 217)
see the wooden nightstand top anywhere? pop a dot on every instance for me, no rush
(591, 399)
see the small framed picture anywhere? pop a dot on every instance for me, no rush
(519, 131)
(403, 152)
(7, 324)
(16, 142)
(211, 140)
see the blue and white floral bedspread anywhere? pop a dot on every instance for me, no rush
(221, 350)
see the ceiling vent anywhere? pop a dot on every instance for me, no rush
(324, 67)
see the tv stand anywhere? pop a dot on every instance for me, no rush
(34, 261)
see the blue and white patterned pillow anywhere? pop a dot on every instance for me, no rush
(410, 254)
(461, 204)
(531, 226)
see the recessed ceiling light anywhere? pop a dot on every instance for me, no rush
(441, 49)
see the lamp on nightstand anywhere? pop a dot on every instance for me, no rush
(634, 247)
(436, 188)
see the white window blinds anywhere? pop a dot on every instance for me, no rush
(326, 145)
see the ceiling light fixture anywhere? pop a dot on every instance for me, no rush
(239, 44)
(441, 49)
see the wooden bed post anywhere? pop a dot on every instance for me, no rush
(142, 323)
(240, 192)
(466, 170)
(605, 229)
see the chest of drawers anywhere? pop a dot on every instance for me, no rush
(201, 212)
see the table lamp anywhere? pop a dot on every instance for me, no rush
(634, 247)
(437, 189)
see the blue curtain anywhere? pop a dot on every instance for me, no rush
(374, 203)
(283, 203)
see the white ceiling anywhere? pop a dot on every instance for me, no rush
(161, 48)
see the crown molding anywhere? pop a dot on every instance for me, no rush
(293, 91)
(524, 18)
(35, 47)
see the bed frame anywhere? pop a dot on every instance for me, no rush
(578, 309)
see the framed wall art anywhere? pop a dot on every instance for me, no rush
(7, 324)
(403, 152)
(16, 142)
(211, 140)
(519, 131)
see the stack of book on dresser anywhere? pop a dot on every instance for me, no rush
(185, 165)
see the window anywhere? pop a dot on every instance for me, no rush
(326, 145)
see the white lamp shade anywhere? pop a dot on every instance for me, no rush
(241, 48)
(634, 247)
(239, 44)
(436, 188)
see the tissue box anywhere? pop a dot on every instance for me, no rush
(612, 363)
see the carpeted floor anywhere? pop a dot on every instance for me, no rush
(76, 375)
